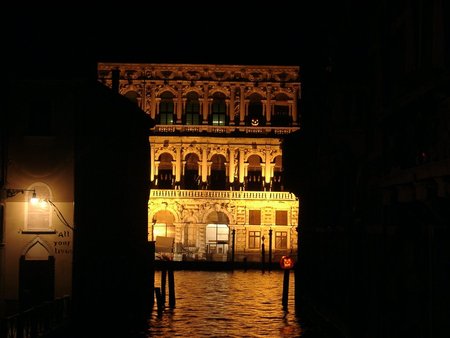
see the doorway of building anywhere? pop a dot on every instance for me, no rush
(217, 239)
(36, 281)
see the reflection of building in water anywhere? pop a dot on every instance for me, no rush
(216, 161)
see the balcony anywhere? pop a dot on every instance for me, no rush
(223, 130)
(223, 194)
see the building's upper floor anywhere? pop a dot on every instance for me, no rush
(189, 98)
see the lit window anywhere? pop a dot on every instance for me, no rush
(218, 110)
(166, 108)
(38, 214)
(165, 118)
(218, 119)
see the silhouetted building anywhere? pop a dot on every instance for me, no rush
(82, 151)
(374, 188)
(216, 163)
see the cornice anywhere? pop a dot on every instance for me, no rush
(201, 72)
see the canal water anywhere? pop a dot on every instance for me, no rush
(228, 304)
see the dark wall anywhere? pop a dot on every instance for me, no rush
(373, 177)
(111, 195)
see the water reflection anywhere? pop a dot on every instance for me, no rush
(227, 304)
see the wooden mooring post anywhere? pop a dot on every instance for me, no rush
(171, 288)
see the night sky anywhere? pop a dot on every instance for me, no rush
(71, 41)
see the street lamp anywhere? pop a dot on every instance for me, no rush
(13, 192)
(34, 200)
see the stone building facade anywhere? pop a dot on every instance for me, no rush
(217, 189)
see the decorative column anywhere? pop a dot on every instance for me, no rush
(231, 166)
(152, 164)
(204, 165)
(231, 106)
(153, 102)
(179, 105)
(246, 102)
(156, 172)
(290, 109)
(157, 102)
(241, 166)
(177, 166)
(205, 104)
(268, 106)
(242, 107)
(143, 98)
(267, 173)
(294, 109)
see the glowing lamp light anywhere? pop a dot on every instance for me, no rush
(34, 199)
(286, 262)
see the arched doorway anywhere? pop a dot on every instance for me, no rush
(217, 236)
(218, 173)
(36, 276)
(163, 232)
(191, 176)
(165, 176)
(254, 174)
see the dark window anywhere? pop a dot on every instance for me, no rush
(254, 179)
(254, 217)
(165, 118)
(192, 119)
(192, 113)
(280, 114)
(255, 112)
(165, 177)
(277, 175)
(218, 110)
(218, 173)
(191, 177)
(281, 217)
(166, 108)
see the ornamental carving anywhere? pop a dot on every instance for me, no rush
(284, 74)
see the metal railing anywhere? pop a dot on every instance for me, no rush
(36, 321)
(223, 194)
(266, 130)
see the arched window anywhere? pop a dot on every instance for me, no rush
(191, 177)
(254, 174)
(132, 96)
(166, 108)
(280, 115)
(163, 231)
(255, 111)
(277, 174)
(218, 173)
(38, 214)
(218, 110)
(165, 176)
(192, 110)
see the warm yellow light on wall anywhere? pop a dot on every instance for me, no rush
(34, 199)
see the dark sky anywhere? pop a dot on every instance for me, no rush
(72, 41)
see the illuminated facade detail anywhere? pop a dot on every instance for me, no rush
(215, 154)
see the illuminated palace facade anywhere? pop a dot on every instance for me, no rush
(215, 158)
